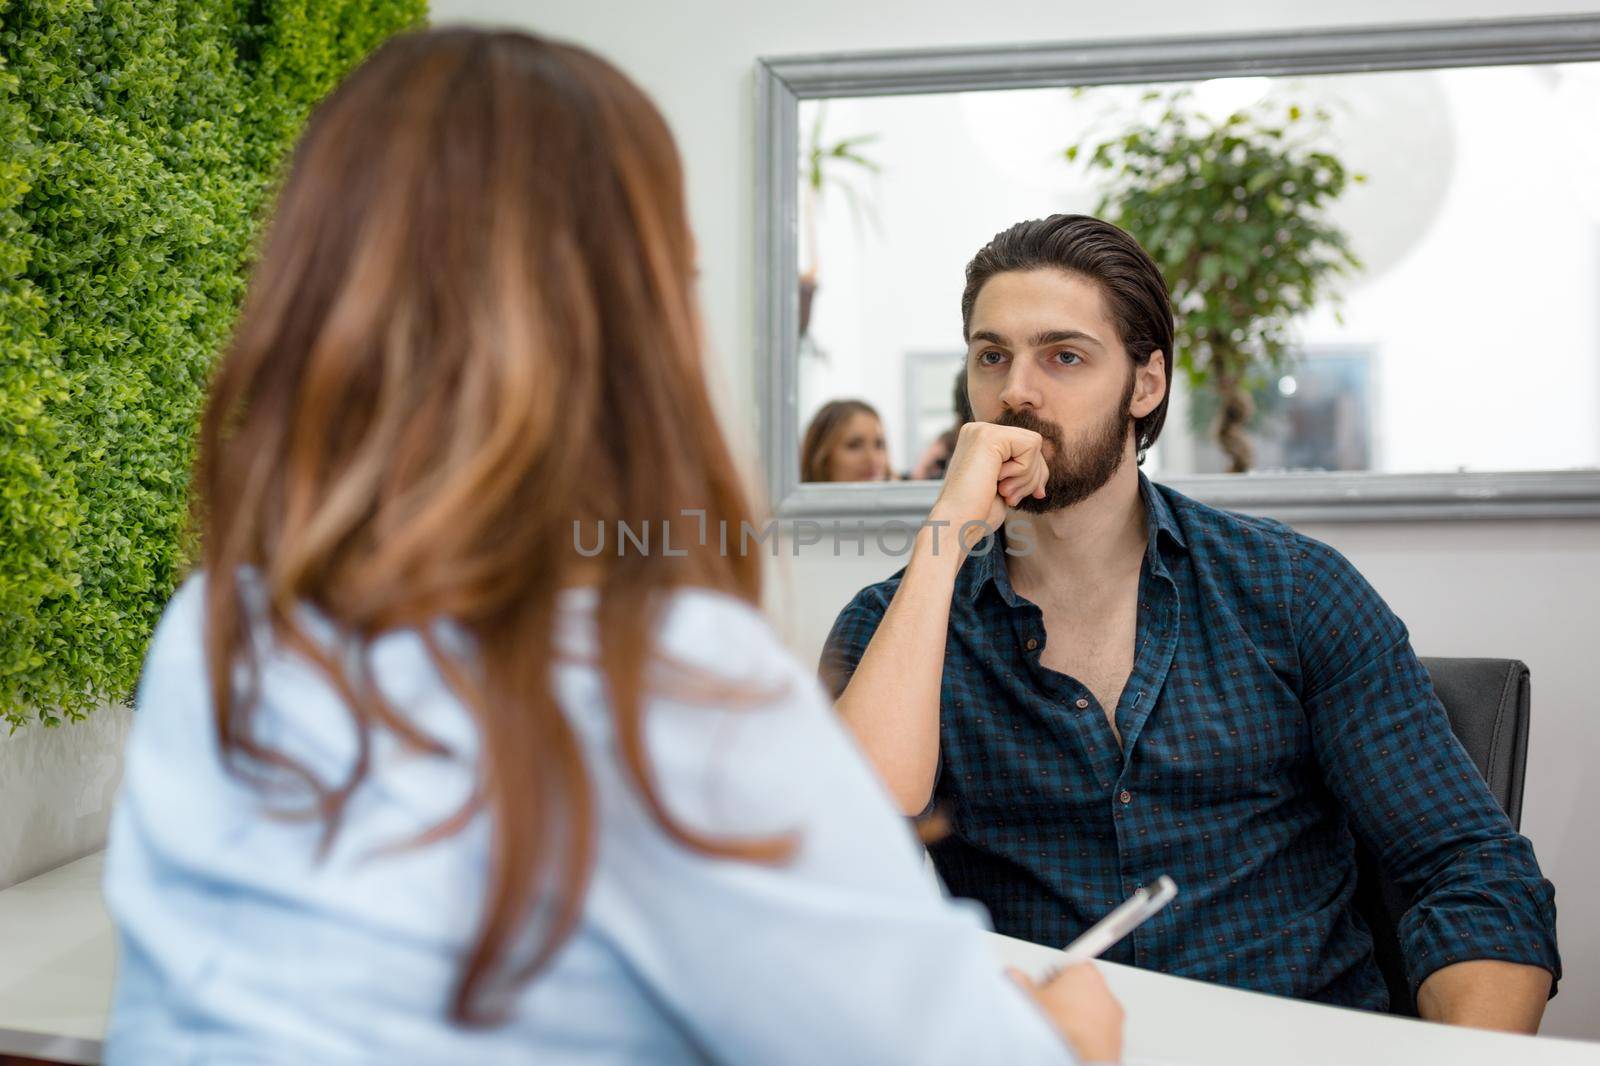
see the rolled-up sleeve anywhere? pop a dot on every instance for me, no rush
(1412, 793)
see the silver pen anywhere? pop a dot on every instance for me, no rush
(1139, 908)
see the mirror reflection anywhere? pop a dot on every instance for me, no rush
(1389, 272)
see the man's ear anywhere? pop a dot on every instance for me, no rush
(1149, 385)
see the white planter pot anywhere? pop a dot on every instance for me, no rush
(56, 790)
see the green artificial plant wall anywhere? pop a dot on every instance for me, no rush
(139, 140)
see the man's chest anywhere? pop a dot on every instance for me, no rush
(1203, 702)
(1093, 647)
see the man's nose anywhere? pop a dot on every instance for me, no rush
(1020, 391)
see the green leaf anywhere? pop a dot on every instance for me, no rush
(1235, 214)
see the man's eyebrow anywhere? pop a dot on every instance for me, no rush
(1062, 336)
(1039, 340)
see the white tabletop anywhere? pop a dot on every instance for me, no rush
(1172, 1020)
(56, 964)
(57, 958)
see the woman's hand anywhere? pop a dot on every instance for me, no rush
(1079, 1003)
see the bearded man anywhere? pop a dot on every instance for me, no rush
(1137, 684)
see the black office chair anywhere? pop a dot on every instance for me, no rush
(1487, 701)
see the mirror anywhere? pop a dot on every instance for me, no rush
(1415, 332)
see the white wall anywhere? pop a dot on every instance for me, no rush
(1519, 589)
(56, 788)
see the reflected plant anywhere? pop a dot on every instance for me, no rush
(1234, 212)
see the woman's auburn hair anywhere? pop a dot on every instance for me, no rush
(471, 327)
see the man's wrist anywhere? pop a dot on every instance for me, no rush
(938, 545)
(958, 535)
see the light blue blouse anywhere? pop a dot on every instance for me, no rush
(236, 944)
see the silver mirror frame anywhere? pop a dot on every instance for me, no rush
(782, 82)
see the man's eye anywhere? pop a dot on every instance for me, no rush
(984, 359)
(1069, 358)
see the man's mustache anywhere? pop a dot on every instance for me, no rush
(1028, 420)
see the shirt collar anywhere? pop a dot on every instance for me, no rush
(1159, 516)
(980, 570)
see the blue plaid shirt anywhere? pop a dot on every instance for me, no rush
(1275, 712)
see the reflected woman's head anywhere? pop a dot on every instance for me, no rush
(844, 442)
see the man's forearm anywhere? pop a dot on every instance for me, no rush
(892, 700)
(1486, 994)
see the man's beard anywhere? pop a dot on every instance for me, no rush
(1080, 473)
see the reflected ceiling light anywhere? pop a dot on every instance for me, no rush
(1021, 134)
(1397, 128)
(1221, 97)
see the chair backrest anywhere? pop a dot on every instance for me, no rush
(1487, 701)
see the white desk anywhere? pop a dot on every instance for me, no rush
(56, 960)
(1172, 1020)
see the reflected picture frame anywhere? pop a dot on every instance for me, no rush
(782, 82)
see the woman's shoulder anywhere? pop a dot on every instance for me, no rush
(733, 640)
(177, 640)
(708, 620)
(183, 617)
(178, 645)
(702, 627)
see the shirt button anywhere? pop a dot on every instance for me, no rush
(1082, 703)
(1032, 644)
(1125, 796)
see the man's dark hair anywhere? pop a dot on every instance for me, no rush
(1135, 292)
